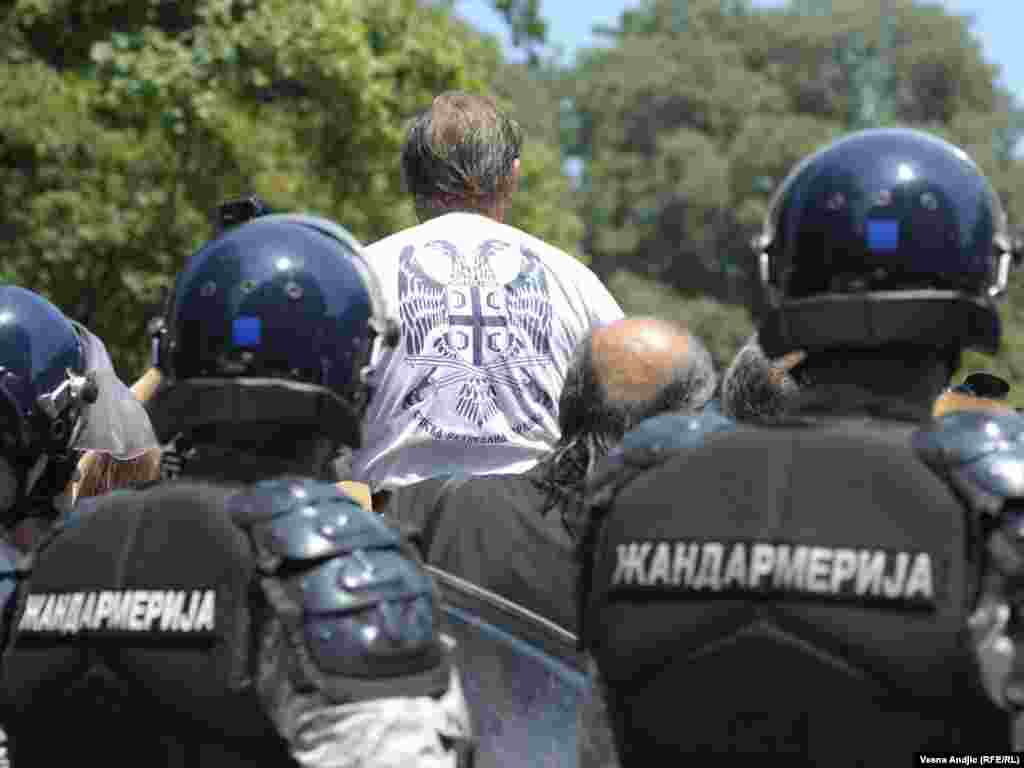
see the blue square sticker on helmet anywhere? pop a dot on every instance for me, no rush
(246, 331)
(883, 234)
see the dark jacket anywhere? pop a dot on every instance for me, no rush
(492, 530)
(802, 588)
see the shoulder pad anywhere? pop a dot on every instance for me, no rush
(301, 519)
(360, 603)
(648, 444)
(981, 454)
(369, 613)
(654, 440)
(671, 432)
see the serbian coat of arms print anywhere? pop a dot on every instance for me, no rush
(473, 337)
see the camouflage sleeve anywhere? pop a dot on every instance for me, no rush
(418, 732)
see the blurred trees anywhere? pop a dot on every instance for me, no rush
(722, 327)
(696, 109)
(124, 122)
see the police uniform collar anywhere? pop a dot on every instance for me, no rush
(849, 402)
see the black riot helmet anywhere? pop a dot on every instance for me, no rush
(885, 236)
(275, 320)
(59, 396)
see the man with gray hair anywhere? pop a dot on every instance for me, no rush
(489, 315)
(757, 388)
(509, 533)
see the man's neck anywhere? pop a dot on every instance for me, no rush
(914, 385)
(436, 209)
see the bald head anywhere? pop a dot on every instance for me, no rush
(632, 369)
(635, 357)
(621, 374)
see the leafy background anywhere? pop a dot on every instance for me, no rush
(124, 122)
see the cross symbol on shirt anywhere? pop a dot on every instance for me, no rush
(477, 321)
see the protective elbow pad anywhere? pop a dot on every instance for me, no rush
(352, 614)
(981, 455)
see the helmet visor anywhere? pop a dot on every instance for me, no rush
(116, 423)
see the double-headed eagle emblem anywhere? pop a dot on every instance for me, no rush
(474, 332)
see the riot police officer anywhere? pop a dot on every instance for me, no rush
(247, 612)
(59, 396)
(820, 587)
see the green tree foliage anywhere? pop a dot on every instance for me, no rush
(123, 123)
(544, 205)
(695, 110)
(722, 327)
(528, 28)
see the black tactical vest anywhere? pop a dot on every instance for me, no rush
(796, 590)
(193, 624)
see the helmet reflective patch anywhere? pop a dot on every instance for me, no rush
(246, 331)
(883, 234)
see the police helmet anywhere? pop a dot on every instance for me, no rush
(884, 236)
(59, 395)
(275, 320)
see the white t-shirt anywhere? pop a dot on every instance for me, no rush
(490, 317)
